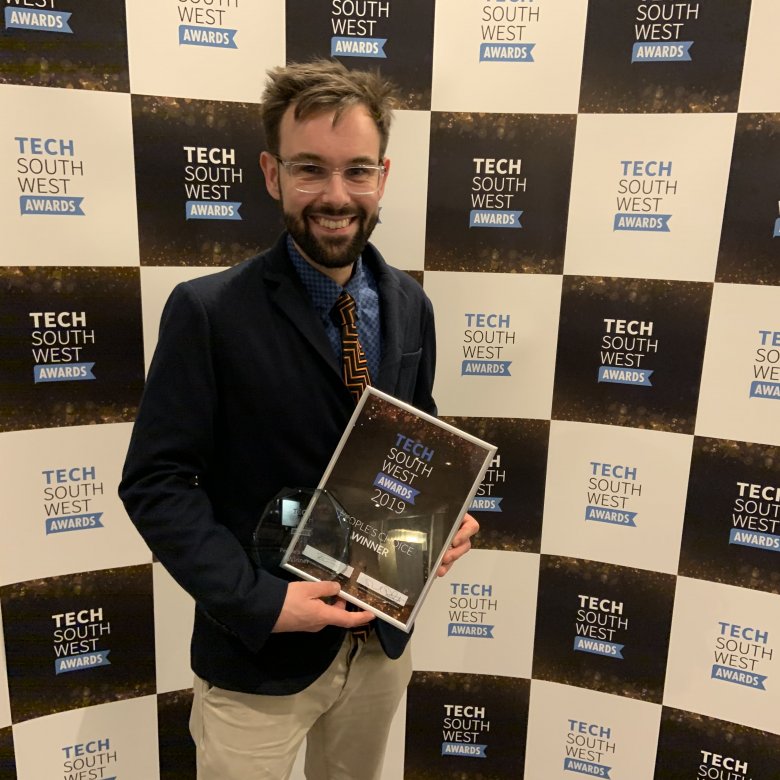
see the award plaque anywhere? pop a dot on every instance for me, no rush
(387, 507)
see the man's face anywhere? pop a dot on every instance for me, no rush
(332, 227)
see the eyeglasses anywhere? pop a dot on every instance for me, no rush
(312, 178)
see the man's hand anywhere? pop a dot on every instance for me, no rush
(304, 610)
(461, 544)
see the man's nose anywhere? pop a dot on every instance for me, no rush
(335, 191)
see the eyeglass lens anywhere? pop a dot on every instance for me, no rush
(314, 178)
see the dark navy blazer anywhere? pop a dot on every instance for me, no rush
(244, 397)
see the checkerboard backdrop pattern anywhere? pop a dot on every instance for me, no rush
(588, 192)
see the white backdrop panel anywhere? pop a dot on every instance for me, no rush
(616, 494)
(743, 348)
(647, 195)
(61, 486)
(68, 185)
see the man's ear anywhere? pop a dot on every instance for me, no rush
(270, 169)
(386, 163)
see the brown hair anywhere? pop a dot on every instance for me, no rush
(322, 86)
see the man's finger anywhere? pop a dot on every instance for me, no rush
(347, 619)
(319, 590)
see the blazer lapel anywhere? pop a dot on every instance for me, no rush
(290, 296)
(392, 301)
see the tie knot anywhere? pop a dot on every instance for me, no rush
(345, 310)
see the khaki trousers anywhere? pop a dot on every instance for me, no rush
(344, 715)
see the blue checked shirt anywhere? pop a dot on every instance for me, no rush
(323, 292)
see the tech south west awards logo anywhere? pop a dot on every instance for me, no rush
(404, 463)
(624, 347)
(506, 27)
(494, 185)
(470, 607)
(90, 759)
(68, 496)
(78, 637)
(642, 194)
(48, 170)
(486, 500)
(36, 15)
(717, 766)
(599, 623)
(203, 24)
(209, 175)
(659, 30)
(59, 344)
(588, 746)
(464, 731)
(741, 653)
(354, 27)
(611, 488)
(766, 369)
(485, 340)
(755, 519)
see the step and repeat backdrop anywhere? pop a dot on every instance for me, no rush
(590, 194)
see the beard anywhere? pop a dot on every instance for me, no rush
(336, 252)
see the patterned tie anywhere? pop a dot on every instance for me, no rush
(354, 367)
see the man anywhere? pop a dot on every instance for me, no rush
(245, 396)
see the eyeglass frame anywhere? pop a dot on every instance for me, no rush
(380, 168)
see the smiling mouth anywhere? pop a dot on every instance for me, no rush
(333, 224)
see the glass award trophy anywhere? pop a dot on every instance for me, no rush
(280, 518)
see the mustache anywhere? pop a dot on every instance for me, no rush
(330, 211)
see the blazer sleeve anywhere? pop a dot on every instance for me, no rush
(171, 449)
(423, 391)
